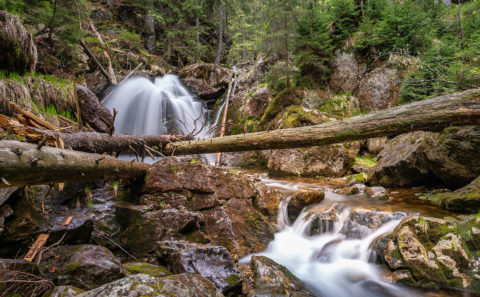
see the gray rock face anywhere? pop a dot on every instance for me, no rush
(64, 291)
(19, 53)
(93, 113)
(185, 285)
(347, 73)
(332, 160)
(212, 262)
(208, 81)
(84, 266)
(274, 280)
(379, 193)
(5, 194)
(361, 222)
(420, 158)
(380, 89)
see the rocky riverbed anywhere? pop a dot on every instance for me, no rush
(187, 228)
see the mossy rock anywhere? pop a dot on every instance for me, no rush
(146, 268)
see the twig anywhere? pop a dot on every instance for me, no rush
(111, 129)
(42, 143)
(116, 244)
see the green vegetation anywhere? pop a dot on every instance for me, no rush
(365, 161)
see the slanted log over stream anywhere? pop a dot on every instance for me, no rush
(24, 164)
(430, 115)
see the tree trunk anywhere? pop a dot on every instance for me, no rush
(93, 142)
(431, 115)
(220, 34)
(23, 164)
(197, 40)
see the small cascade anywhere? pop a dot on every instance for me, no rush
(331, 264)
(160, 107)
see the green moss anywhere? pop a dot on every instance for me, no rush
(146, 268)
(232, 279)
(72, 266)
(365, 161)
(340, 105)
(285, 98)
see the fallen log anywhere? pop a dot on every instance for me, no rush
(23, 164)
(431, 115)
(94, 142)
(91, 142)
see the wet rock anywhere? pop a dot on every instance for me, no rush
(378, 193)
(185, 285)
(208, 81)
(146, 268)
(302, 198)
(179, 174)
(352, 190)
(273, 279)
(19, 53)
(64, 291)
(347, 72)
(420, 158)
(239, 227)
(323, 218)
(84, 266)
(92, 112)
(380, 89)
(212, 262)
(267, 200)
(332, 160)
(436, 252)
(362, 222)
(359, 178)
(466, 199)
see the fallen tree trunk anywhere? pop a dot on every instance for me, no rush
(24, 164)
(94, 142)
(430, 115)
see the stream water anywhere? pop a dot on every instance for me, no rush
(337, 260)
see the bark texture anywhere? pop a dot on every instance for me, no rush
(431, 115)
(24, 164)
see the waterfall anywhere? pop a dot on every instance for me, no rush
(163, 106)
(331, 264)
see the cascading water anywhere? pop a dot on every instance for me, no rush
(331, 264)
(159, 107)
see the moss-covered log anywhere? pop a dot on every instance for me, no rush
(24, 164)
(431, 115)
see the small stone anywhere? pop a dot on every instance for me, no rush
(378, 193)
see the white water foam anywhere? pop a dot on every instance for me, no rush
(330, 264)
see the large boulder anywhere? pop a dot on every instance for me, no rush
(274, 280)
(330, 160)
(417, 158)
(347, 72)
(190, 200)
(212, 262)
(302, 198)
(257, 102)
(92, 112)
(185, 285)
(465, 199)
(208, 81)
(431, 252)
(84, 266)
(19, 53)
(380, 89)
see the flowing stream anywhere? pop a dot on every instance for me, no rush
(337, 260)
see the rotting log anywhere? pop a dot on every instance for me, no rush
(430, 115)
(23, 164)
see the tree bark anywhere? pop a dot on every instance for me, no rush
(220, 34)
(93, 142)
(23, 164)
(431, 115)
